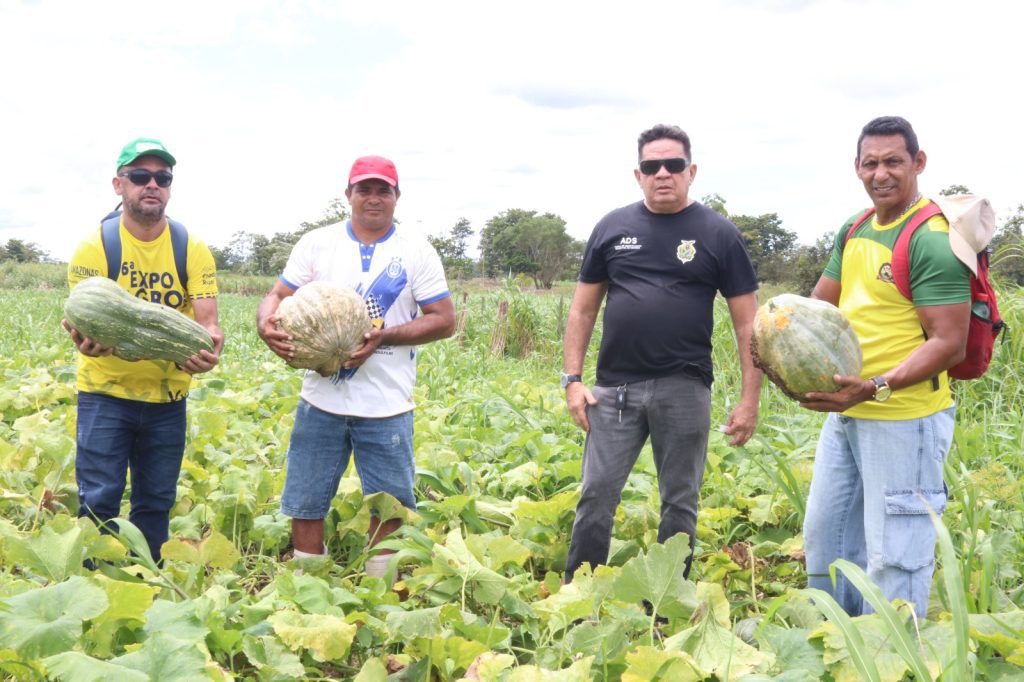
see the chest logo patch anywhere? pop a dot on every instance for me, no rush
(394, 268)
(885, 274)
(686, 250)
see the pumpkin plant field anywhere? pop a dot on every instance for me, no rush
(478, 570)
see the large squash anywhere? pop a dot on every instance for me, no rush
(800, 343)
(326, 322)
(137, 329)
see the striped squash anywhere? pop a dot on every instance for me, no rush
(137, 329)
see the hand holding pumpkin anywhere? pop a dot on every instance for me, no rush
(371, 340)
(276, 338)
(86, 345)
(853, 390)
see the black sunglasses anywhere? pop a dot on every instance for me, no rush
(141, 177)
(652, 166)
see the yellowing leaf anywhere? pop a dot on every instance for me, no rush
(215, 550)
(327, 638)
(647, 663)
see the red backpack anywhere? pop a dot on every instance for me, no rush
(985, 320)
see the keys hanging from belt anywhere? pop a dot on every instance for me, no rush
(620, 400)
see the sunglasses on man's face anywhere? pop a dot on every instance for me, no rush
(141, 177)
(652, 166)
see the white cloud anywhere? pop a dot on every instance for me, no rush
(486, 107)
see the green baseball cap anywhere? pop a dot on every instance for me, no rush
(141, 147)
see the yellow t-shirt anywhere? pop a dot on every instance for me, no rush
(147, 271)
(886, 323)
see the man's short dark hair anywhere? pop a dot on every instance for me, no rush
(891, 125)
(663, 132)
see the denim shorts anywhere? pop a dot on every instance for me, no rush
(318, 454)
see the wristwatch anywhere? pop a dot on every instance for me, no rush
(569, 379)
(882, 389)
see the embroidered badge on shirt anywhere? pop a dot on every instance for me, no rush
(686, 250)
(885, 274)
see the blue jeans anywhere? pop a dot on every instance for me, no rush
(319, 450)
(873, 484)
(675, 412)
(116, 436)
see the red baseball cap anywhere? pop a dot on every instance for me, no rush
(373, 168)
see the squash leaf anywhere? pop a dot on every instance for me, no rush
(49, 620)
(657, 577)
(327, 638)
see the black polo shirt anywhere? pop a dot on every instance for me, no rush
(663, 271)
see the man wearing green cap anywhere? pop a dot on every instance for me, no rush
(131, 415)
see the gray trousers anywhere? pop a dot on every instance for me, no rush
(675, 412)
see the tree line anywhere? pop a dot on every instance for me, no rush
(524, 243)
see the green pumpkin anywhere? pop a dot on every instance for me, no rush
(800, 343)
(327, 323)
(136, 329)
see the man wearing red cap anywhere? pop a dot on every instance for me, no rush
(366, 409)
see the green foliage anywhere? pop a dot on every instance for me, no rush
(520, 241)
(20, 251)
(479, 590)
(453, 248)
(256, 254)
(769, 244)
(954, 190)
(1008, 249)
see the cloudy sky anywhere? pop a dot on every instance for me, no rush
(489, 106)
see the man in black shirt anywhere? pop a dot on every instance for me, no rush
(660, 262)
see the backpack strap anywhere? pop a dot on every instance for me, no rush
(110, 235)
(179, 243)
(901, 251)
(857, 223)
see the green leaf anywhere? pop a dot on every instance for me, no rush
(406, 625)
(75, 666)
(859, 655)
(128, 603)
(452, 652)
(50, 554)
(489, 666)
(793, 651)
(1002, 632)
(372, 671)
(454, 558)
(716, 649)
(272, 659)
(604, 642)
(894, 625)
(952, 579)
(49, 620)
(176, 621)
(647, 664)
(327, 638)
(542, 512)
(215, 550)
(571, 602)
(389, 508)
(495, 551)
(657, 577)
(166, 658)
